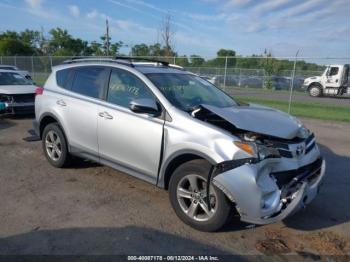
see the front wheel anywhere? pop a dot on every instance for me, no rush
(315, 91)
(188, 197)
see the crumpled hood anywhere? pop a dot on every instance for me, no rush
(17, 89)
(259, 119)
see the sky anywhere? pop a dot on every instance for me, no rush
(318, 28)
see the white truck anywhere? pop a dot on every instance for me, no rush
(333, 82)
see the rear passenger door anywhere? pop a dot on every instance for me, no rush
(79, 105)
(129, 141)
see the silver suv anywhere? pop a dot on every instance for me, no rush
(160, 123)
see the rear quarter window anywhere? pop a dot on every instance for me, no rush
(62, 77)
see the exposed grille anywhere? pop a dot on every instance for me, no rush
(307, 171)
(285, 153)
(284, 149)
(23, 98)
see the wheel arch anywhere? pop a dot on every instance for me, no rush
(315, 84)
(47, 119)
(177, 159)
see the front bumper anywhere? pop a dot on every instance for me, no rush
(261, 198)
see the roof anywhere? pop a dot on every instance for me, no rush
(9, 66)
(143, 67)
(9, 71)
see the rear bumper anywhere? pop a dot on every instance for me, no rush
(260, 199)
(20, 107)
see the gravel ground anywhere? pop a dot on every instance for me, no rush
(284, 96)
(91, 209)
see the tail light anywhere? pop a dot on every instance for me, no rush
(39, 91)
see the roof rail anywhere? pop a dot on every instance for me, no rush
(124, 60)
(90, 59)
(131, 59)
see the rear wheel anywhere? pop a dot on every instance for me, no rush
(55, 145)
(315, 91)
(188, 196)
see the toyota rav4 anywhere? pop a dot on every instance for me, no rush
(160, 123)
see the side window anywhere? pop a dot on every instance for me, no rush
(90, 81)
(333, 71)
(62, 77)
(124, 87)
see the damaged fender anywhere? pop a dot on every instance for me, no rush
(257, 196)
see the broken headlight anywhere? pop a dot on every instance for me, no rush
(257, 150)
(267, 152)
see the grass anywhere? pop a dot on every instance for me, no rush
(39, 80)
(311, 110)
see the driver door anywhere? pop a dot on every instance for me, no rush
(333, 77)
(130, 141)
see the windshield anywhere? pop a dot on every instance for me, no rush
(11, 78)
(186, 91)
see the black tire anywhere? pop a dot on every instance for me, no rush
(64, 159)
(315, 91)
(223, 207)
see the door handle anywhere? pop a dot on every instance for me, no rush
(61, 102)
(105, 115)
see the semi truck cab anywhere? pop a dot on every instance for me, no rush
(334, 82)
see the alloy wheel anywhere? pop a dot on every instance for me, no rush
(53, 145)
(192, 196)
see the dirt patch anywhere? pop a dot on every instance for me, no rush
(272, 246)
(328, 243)
(8, 143)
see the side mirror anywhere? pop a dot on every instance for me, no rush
(144, 106)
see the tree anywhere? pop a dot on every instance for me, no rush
(10, 47)
(220, 61)
(167, 34)
(13, 43)
(31, 37)
(140, 50)
(155, 50)
(59, 38)
(95, 48)
(182, 61)
(115, 47)
(231, 60)
(270, 66)
(196, 60)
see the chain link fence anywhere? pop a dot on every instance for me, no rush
(224, 76)
(256, 78)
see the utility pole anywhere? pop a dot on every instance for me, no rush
(107, 38)
(292, 82)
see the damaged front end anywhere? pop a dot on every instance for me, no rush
(263, 196)
(270, 177)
